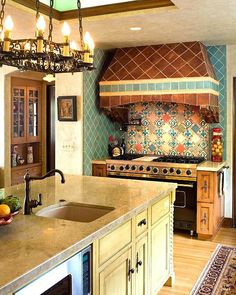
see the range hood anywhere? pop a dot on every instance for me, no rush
(179, 72)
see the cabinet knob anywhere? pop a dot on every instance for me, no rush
(142, 222)
(130, 270)
(138, 262)
(204, 220)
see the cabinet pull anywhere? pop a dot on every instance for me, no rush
(142, 222)
(130, 270)
(205, 187)
(204, 220)
(138, 263)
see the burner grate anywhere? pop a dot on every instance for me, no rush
(176, 159)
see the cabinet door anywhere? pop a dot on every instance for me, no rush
(116, 277)
(205, 186)
(99, 170)
(205, 218)
(141, 263)
(34, 114)
(18, 114)
(159, 255)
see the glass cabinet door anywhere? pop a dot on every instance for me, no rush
(33, 114)
(18, 115)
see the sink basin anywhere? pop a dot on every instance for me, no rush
(75, 211)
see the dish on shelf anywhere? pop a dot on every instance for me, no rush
(8, 219)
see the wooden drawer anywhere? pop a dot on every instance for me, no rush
(160, 209)
(17, 175)
(114, 242)
(141, 223)
(205, 186)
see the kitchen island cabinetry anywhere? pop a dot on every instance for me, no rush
(135, 258)
(210, 203)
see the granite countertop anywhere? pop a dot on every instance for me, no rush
(211, 166)
(99, 161)
(31, 245)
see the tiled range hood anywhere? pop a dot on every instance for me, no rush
(180, 73)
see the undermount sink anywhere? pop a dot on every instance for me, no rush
(75, 211)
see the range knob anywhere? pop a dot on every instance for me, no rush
(148, 168)
(133, 167)
(178, 171)
(155, 170)
(188, 172)
(172, 170)
(121, 168)
(165, 171)
(127, 167)
(113, 167)
(141, 168)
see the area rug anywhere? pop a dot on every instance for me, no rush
(219, 275)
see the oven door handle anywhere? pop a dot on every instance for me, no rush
(185, 200)
(184, 185)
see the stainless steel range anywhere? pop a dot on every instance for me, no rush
(181, 170)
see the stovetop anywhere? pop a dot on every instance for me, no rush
(179, 159)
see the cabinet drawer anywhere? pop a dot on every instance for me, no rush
(114, 242)
(17, 176)
(141, 223)
(160, 209)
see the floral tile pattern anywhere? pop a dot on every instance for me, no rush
(168, 128)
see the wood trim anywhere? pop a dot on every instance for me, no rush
(116, 8)
(99, 10)
(234, 155)
(227, 222)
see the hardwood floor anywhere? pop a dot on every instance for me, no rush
(191, 256)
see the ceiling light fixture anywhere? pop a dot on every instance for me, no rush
(44, 55)
(135, 29)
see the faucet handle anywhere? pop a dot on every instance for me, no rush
(40, 200)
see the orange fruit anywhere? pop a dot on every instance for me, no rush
(4, 210)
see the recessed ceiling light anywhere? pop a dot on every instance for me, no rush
(135, 28)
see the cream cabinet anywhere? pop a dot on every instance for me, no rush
(137, 257)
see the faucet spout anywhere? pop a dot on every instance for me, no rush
(28, 203)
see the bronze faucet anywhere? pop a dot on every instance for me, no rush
(28, 203)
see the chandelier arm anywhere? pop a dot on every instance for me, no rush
(50, 22)
(3, 3)
(80, 25)
(37, 9)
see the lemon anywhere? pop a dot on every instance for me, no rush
(4, 210)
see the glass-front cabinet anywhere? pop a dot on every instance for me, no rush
(26, 113)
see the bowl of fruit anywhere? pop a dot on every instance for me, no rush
(9, 207)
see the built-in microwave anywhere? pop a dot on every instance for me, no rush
(72, 277)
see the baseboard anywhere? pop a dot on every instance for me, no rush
(227, 222)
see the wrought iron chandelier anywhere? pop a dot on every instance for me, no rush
(44, 55)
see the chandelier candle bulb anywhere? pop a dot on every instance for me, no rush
(66, 34)
(8, 25)
(40, 31)
(88, 46)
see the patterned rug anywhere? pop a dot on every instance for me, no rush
(219, 275)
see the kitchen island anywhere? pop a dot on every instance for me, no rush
(31, 245)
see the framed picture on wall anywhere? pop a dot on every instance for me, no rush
(67, 108)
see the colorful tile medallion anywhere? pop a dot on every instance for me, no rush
(168, 128)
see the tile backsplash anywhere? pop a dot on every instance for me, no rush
(168, 128)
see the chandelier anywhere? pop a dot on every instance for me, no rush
(44, 55)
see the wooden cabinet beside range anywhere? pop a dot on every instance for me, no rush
(210, 203)
(137, 257)
(99, 168)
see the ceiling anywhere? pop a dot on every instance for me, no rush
(72, 4)
(209, 21)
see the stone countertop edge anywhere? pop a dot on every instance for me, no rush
(57, 259)
(100, 161)
(211, 166)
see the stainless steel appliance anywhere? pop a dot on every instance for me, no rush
(72, 277)
(181, 170)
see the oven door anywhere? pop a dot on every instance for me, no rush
(69, 278)
(185, 206)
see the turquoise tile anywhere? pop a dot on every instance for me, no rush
(199, 84)
(151, 87)
(207, 84)
(136, 87)
(174, 86)
(191, 85)
(122, 87)
(159, 86)
(166, 86)
(182, 85)
(143, 87)
(128, 87)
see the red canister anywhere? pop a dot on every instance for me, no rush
(217, 145)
